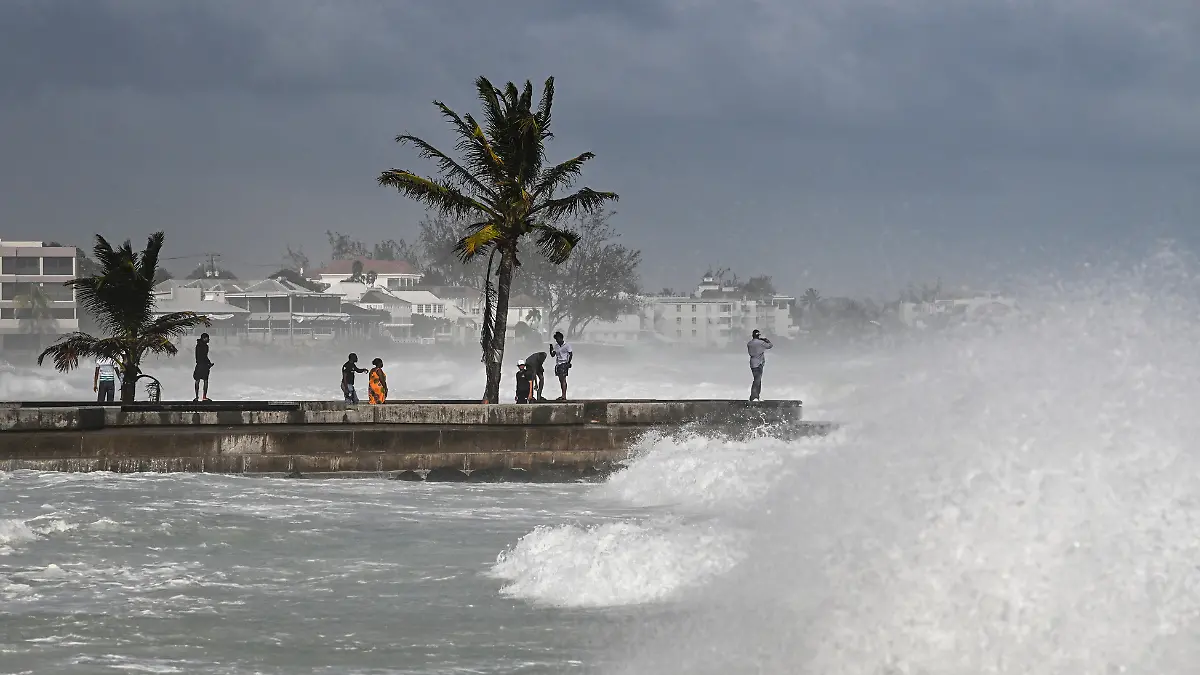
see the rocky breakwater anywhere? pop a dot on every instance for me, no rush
(415, 440)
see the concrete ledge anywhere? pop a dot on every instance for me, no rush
(51, 416)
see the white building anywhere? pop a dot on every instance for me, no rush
(627, 329)
(394, 275)
(35, 305)
(718, 315)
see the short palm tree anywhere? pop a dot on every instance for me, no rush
(502, 186)
(812, 299)
(121, 297)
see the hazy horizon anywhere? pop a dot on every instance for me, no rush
(856, 147)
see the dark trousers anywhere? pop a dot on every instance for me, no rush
(756, 386)
(105, 391)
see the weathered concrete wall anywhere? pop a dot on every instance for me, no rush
(412, 440)
(32, 417)
(285, 449)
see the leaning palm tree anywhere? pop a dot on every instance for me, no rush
(811, 299)
(121, 297)
(501, 186)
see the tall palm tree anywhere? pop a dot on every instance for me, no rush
(503, 188)
(121, 297)
(35, 310)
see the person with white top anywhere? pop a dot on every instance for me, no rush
(563, 355)
(104, 382)
(757, 348)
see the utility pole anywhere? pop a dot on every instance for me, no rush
(212, 264)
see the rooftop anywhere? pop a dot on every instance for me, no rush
(379, 267)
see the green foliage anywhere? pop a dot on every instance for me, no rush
(121, 298)
(499, 185)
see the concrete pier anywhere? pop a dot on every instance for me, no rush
(411, 440)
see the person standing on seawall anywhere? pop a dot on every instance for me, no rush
(377, 386)
(525, 384)
(563, 355)
(349, 368)
(757, 348)
(104, 382)
(203, 366)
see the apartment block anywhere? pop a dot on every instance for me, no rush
(35, 304)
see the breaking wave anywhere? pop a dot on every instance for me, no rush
(1016, 498)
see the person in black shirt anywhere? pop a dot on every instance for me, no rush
(536, 366)
(525, 389)
(203, 366)
(348, 370)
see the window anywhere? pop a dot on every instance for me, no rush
(6, 313)
(58, 292)
(693, 333)
(393, 283)
(726, 308)
(678, 320)
(693, 320)
(678, 308)
(693, 308)
(58, 266)
(20, 265)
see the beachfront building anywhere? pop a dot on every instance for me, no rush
(281, 309)
(717, 315)
(35, 305)
(626, 329)
(394, 275)
(228, 321)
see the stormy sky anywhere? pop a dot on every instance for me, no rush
(850, 145)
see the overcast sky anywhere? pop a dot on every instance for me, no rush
(850, 145)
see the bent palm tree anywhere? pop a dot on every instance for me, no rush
(504, 189)
(121, 297)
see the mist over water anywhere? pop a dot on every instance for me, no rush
(1017, 497)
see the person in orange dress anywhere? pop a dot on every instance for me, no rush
(378, 389)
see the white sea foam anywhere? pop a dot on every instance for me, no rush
(1012, 499)
(613, 564)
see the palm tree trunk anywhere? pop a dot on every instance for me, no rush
(494, 362)
(130, 373)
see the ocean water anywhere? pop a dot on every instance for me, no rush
(1018, 497)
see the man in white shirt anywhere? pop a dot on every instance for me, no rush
(757, 348)
(104, 382)
(563, 354)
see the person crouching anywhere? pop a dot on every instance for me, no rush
(524, 383)
(377, 383)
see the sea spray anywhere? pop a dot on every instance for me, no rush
(1014, 498)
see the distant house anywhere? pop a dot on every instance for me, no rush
(227, 320)
(527, 309)
(393, 275)
(397, 312)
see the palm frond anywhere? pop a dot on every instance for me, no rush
(434, 194)
(555, 243)
(481, 239)
(453, 173)
(586, 200)
(156, 344)
(473, 144)
(493, 110)
(147, 262)
(561, 175)
(66, 353)
(544, 108)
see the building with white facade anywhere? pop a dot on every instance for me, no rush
(35, 304)
(717, 315)
(394, 275)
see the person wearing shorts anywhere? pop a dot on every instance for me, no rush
(563, 356)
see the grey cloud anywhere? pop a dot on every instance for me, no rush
(946, 130)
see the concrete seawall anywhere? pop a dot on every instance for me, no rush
(439, 440)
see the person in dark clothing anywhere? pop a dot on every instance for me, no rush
(525, 389)
(535, 365)
(349, 368)
(757, 348)
(203, 366)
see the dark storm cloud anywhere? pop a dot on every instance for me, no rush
(938, 131)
